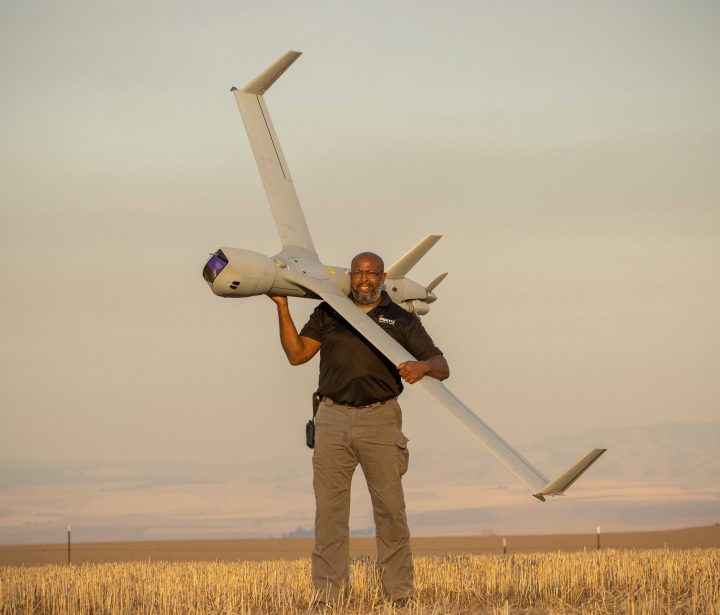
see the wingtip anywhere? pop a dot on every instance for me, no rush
(567, 478)
(262, 82)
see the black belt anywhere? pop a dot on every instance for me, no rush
(349, 405)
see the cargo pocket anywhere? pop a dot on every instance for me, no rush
(401, 442)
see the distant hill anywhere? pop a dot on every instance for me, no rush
(651, 453)
(653, 476)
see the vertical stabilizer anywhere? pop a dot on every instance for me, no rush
(400, 268)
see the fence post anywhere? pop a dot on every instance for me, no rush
(504, 545)
(68, 533)
(598, 537)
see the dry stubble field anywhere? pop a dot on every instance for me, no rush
(629, 581)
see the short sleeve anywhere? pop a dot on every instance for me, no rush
(313, 327)
(419, 343)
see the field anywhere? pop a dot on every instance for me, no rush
(664, 573)
(652, 582)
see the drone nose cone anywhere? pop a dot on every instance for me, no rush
(239, 273)
(213, 268)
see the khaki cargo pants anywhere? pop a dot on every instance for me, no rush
(372, 437)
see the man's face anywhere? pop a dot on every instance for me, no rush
(366, 278)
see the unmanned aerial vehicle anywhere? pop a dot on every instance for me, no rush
(298, 272)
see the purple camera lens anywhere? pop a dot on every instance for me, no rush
(213, 268)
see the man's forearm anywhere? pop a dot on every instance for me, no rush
(412, 371)
(438, 367)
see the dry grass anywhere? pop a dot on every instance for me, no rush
(652, 582)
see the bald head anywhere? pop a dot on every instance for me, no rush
(373, 260)
(367, 274)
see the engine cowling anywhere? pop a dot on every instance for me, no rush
(415, 306)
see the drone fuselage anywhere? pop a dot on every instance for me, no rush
(232, 272)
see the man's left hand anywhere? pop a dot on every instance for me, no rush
(412, 371)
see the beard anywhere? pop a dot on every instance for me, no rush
(366, 298)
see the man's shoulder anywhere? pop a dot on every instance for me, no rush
(321, 318)
(324, 311)
(391, 310)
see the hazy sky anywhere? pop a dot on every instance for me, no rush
(568, 152)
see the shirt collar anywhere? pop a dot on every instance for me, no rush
(384, 302)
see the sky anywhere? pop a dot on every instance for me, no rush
(567, 152)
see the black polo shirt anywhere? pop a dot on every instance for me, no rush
(352, 370)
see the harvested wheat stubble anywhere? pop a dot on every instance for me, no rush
(657, 582)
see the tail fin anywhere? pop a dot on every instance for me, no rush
(433, 285)
(401, 267)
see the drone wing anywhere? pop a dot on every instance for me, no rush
(289, 218)
(501, 450)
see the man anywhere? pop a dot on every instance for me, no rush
(359, 421)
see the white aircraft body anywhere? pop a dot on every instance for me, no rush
(297, 271)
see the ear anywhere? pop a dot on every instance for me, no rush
(382, 277)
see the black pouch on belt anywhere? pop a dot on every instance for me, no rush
(310, 426)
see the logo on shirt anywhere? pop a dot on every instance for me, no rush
(387, 321)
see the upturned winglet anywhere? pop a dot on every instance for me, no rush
(567, 478)
(262, 83)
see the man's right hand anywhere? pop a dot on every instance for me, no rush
(280, 300)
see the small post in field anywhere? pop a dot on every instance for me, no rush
(504, 545)
(68, 533)
(598, 537)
